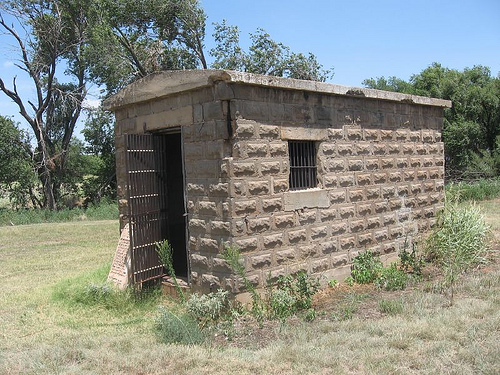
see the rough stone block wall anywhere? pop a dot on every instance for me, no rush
(379, 168)
(380, 164)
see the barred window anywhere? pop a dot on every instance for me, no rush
(302, 164)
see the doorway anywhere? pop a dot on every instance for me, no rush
(176, 208)
(156, 203)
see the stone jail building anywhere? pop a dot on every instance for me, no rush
(299, 175)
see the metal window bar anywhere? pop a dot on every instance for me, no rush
(302, 164)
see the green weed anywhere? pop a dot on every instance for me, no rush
(366, 267)
(458, 242)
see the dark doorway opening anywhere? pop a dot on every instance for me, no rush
(176, 209)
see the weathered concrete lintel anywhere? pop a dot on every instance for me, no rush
(310, 198)
(172, 82)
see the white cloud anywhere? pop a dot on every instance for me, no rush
(8, 64)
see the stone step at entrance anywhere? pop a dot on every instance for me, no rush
(168, 286)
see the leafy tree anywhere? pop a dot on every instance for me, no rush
(17, 174)
(99, 136)
(264, 56)
(55, 34)
(108, 42)
(134, 38)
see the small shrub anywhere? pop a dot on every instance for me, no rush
(459, 241)
(209, 307)
(391, 278)
(310, 315)
(411, 262)
(349, 280)
(177, 329)
(333, 283)
(232, 256)
(391, 307)
(366, 267)
(282, 304)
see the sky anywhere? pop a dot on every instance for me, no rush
(359, 39)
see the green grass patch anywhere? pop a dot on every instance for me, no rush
(104, 211)
(91, 290)
(474, 191)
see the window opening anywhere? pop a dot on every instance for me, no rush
(302, 164)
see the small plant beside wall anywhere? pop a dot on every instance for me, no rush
(458, 242)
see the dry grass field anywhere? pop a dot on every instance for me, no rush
(47, 328)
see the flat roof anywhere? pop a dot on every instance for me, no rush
(171, 82)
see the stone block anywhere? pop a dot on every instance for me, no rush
(272, 205)
(356, 195)
(272, 241)
(363, 179)
(319, 232)
(278, 149)
(365, 239)
(260, 261)
(195, 189)
(258, 187)
(328, 247)
(347, 243)
(297, 236)
(340, 260)
(355, 164)
(243, 169)
(280, 186)
(320, 265)
(222, 228)
(339, 228)
(372, 164)
(363, 148)
(220, 189)
(270, 168)
(379, 178)
(379, 148)
(364, 209)
(345, 180)
(284, 221)
(245, 129)
(256, 150)
(307, 217)
(269, 131)
(328, 214)
(372, 193)
(246, 207)
(336, 134)
(259, 225)
(337, 196)
(208, 245)
(197, 225)
(370, 134)
(207, 208)
(347, 212)
(247, 244)
(284, 256)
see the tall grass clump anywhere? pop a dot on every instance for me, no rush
(475, 191)
(182, 328)
(459, 241)
(92, 291)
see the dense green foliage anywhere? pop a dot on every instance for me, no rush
(475, 191)
(366, 267)
(472, 126)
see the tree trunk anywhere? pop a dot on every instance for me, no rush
(48, 192)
